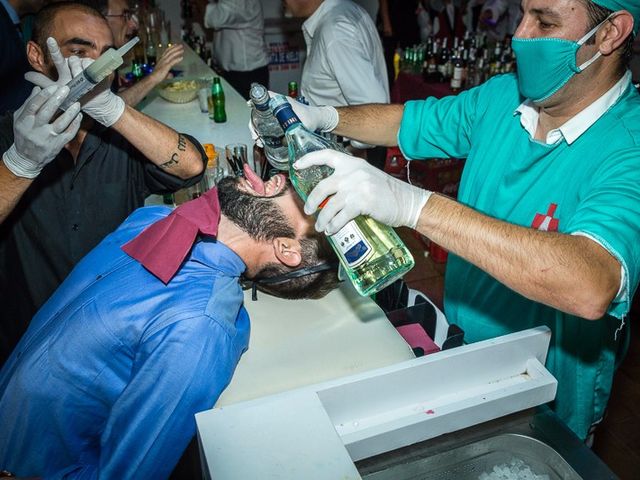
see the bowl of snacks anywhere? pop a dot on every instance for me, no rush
(180, 90)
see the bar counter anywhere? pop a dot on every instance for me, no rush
(188, 118)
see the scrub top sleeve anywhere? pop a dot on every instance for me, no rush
(609, 213)
(178, 371)
(159, 181)
(443, 128)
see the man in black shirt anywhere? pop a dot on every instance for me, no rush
(14, 89)
(58, 207)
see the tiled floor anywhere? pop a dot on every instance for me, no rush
(617, 440)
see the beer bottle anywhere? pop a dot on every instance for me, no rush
(293, 89)
(217, 97)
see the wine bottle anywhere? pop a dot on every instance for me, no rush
(372, 254)
(268, 128)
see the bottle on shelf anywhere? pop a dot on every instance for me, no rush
(217, 112)
(268, 127)
(458, 71)
(372, 254)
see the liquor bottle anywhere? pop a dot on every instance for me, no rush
(372, 254)
(268, 127)
(150, 50)
(456, 78)
(292, 89)
(217, 113)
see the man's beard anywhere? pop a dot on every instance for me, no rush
(260, 217)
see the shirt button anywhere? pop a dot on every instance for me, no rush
(75, 227)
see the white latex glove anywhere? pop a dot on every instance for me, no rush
(36, 140)
(323, 119)
(101, 103)
(358, 188)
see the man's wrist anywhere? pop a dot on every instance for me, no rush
(419, 199)
(19, 165)
(330, 119)
(108, 113)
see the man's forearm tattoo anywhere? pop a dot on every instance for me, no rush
(182, 146)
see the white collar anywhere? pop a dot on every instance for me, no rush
(311, 24)
(580, 123)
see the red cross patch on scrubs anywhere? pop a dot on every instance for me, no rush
(546, 223)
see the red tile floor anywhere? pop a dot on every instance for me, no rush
(617, 439)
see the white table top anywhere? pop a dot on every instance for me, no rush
(188, 118)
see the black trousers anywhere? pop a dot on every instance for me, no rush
(242, 81)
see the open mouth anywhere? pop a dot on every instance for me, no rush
(259, 187)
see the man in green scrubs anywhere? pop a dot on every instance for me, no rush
(546, 229)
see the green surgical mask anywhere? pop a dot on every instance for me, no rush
(545, 65)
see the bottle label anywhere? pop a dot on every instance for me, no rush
(352, 244)
(286, 116)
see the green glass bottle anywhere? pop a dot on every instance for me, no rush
(372, 254)
(293, 89)
(136, 70)
(217, 99)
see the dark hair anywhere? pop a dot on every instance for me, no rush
(43, 21)
(315, 250)
(263, 220)
(100, 5)
(597, 15)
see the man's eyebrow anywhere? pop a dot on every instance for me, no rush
(547, 12)
(80, 41)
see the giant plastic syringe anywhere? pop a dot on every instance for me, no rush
(104, 65)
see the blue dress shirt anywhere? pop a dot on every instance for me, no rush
(108, 377)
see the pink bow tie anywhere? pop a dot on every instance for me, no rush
(162, 246)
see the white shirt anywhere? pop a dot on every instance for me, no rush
(238, 37)
(571, 130)
(580, 123)
(345, 64)
(371, 6)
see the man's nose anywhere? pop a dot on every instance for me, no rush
(525, 28)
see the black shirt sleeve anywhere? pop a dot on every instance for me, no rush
(159, 181)
(6, 131)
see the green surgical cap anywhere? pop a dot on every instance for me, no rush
(631, 6)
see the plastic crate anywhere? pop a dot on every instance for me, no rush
(418, 320)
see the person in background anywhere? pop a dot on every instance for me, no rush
(239, 47)
(500, 18)
(399, 29)
(124, 26)
(14, 89)
(148, 329)
(66, 183)
(546, 226)
(371, 6)
(448, 19)
(345, 64)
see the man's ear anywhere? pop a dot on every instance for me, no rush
(288, 251)
(36, 57)
(616, 32)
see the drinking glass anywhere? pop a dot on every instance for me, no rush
(236, 154)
